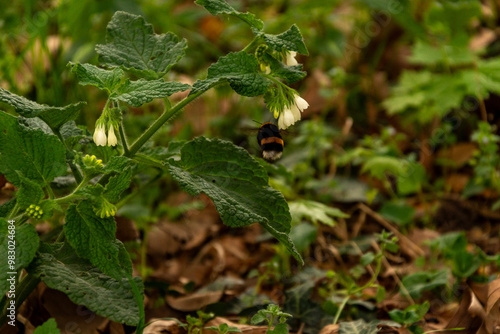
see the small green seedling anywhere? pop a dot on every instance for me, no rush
(195, 324)
(410, 316)
(224, 328)
(269, 315)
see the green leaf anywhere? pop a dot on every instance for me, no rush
(362, 327)
(117, 184)
(303, 235)
(117, 164)
(61, 269)
(299, 303)
(399, 213)
(133, 45)
(236, 183)
(55, 117)
(29, 193)
(410, 181)
(216, 7)
(93, 238)
(279, 329)
(142, 91)
(240, 70)
(411, 314)
(88, 74)
(39, 156)
(26, 242)
(315, 212)
(465, 264)
(290, 74)
(290, 40)
(378, 166)
(6, 207)
(258, 318)
(48, 327)
(420, 282)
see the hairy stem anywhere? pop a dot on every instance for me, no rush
(123, 138)
(165, 117)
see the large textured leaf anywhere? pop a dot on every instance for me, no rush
(290, 40)
(117, 184)
(55, 117)
(61, 269)
(88, 74)
(26, 242)
(139, 92)
(240, 69)
(38, 155)
(93, 238)
(216, 7)
(133, 45)
(236, 183)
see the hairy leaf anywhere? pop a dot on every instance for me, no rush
(93, 238)
(39, 156)
(60, 268)
(240, 69)
(216, 7)
(88, 74)
(290, 40)
(117, 184)
(26, 243)
(29, 193)
(139, 92)
(55, 117)
(133, 45)
(236, 183)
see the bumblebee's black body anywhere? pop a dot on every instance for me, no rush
(270, 141)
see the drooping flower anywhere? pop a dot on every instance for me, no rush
(286, 119)
(100, 135)
(290, 58)
(112, 141)
(301, 103)
(292, 114)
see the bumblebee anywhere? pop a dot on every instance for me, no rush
(270, 141)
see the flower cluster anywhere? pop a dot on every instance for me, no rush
(284, 102)
(34, 211)
(92, 161)
(292, 113)
(109, 121)
(100, 138)
(106, 209)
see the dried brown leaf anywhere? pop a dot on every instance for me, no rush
(195, 301)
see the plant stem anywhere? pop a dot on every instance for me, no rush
(166, 116)
(252, 43)
(69, 153)
(123, 138)
(140, 303)
(340, 309)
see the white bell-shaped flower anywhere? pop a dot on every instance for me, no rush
(301, 103)
(112, 141)
(100, 135)
(286, 119)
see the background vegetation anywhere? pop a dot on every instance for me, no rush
(392, 176)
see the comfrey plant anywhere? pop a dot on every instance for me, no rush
(61, 171)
